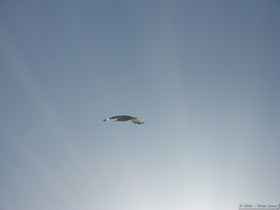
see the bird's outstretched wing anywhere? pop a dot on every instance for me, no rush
(125, 118)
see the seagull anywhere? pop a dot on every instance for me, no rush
(125, 118)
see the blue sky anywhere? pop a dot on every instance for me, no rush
(203, 74)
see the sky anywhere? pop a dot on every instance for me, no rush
(204, 75)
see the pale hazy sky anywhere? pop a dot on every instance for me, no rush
(204, 75)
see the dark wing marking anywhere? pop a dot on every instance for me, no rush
(122, 118)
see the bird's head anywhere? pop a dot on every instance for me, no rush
(138, 120)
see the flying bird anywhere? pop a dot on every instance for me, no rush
(125, 118)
